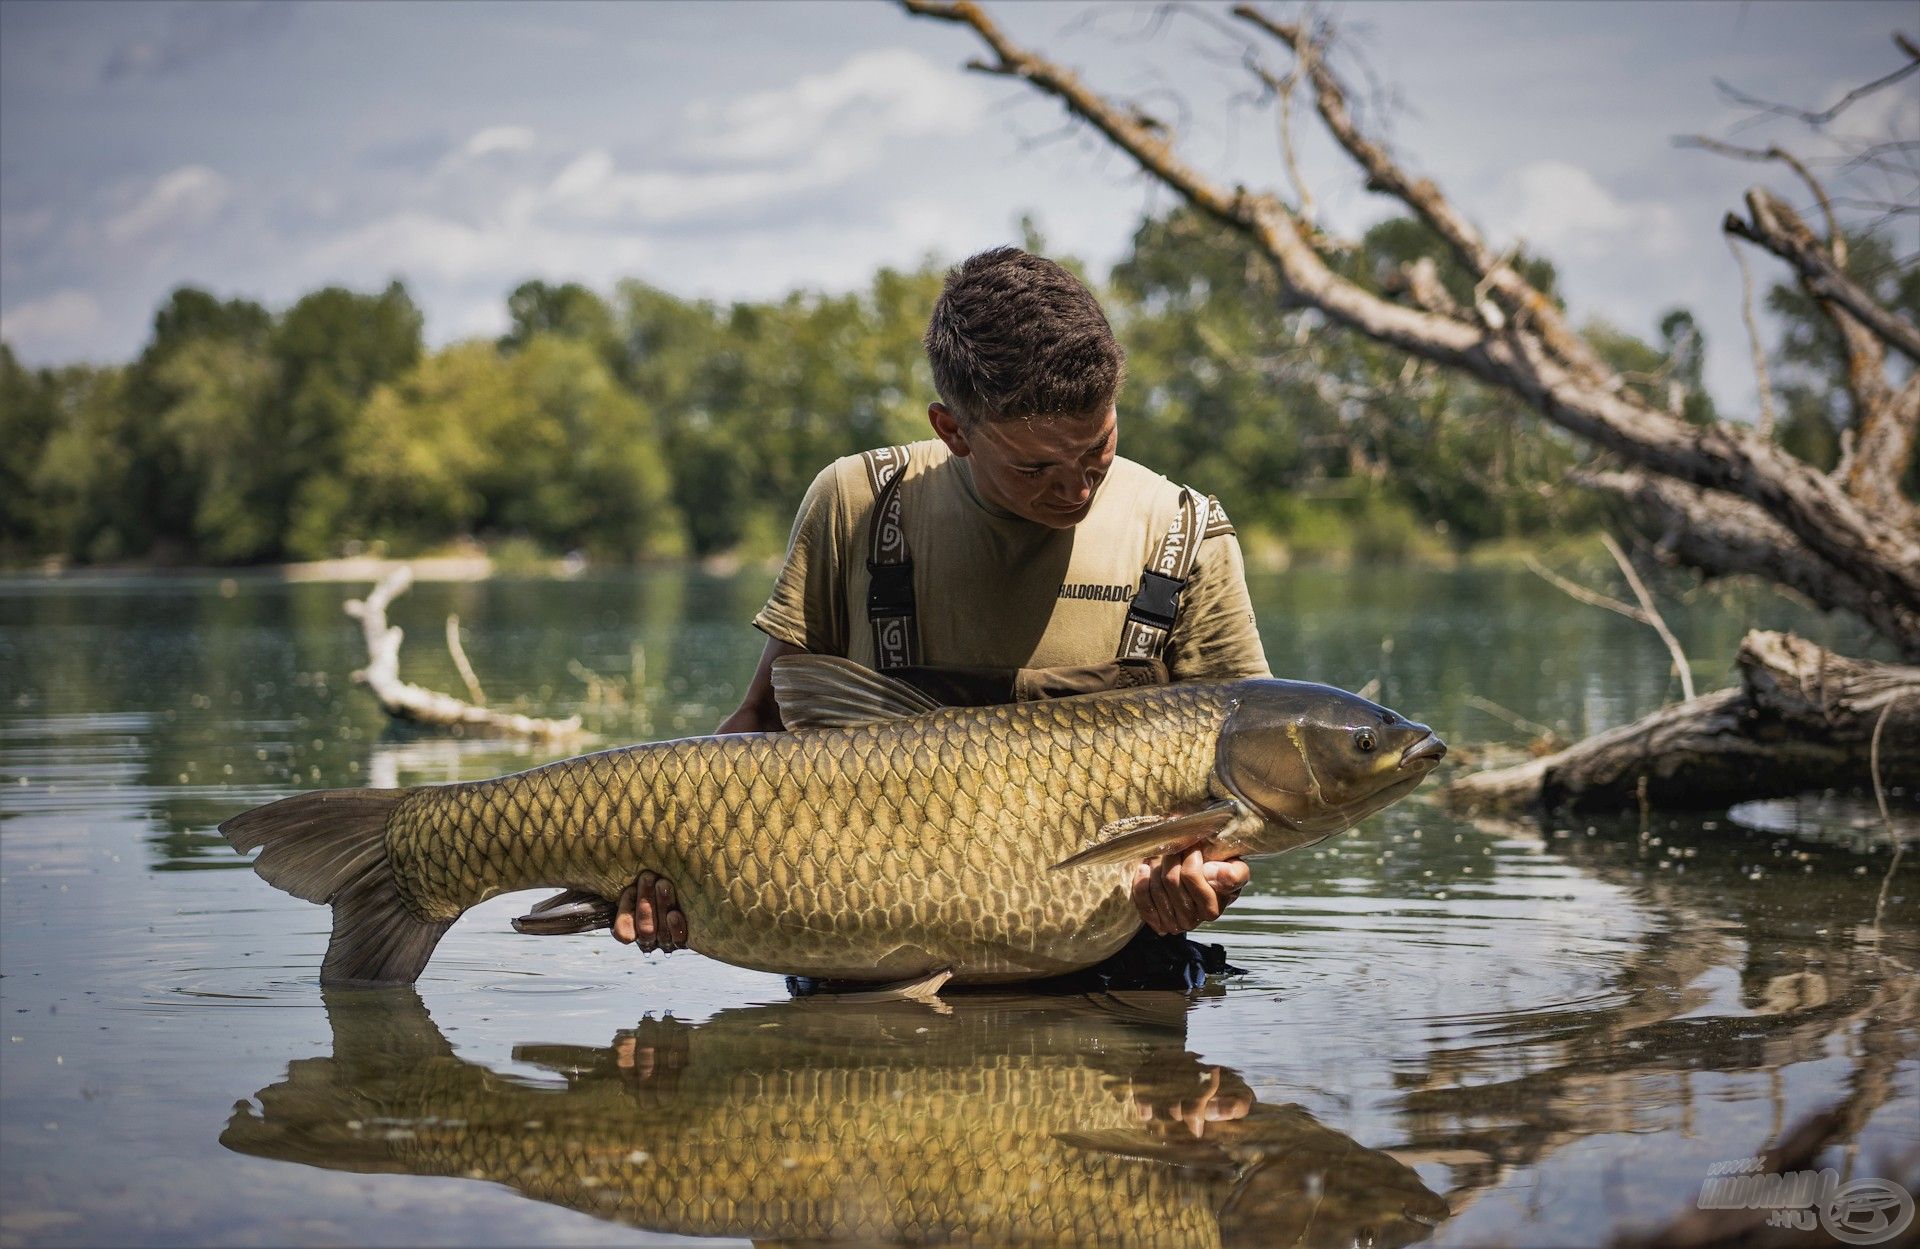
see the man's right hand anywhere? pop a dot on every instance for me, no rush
(649, 916)
(647, 913)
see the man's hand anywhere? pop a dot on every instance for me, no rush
(1179, 892)
(649, 916)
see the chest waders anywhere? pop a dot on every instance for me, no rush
(1139, 659)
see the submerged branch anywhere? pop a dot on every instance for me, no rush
(1801, 718)
(416, 704)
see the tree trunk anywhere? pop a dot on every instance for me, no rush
(1801, 718)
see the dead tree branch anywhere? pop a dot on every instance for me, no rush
(1519, 349)
(1802, 717)
(1773, 225)
(1722, 536)
(1651, 615)
(1827, 115)
(1761, 381)
(415, 703)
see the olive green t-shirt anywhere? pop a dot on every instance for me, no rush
(993, 590)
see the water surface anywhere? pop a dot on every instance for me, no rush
(1449, 1033)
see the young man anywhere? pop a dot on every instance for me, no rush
(1014, 557)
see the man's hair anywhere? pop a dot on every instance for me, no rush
(1014, 335)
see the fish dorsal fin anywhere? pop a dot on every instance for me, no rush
(826, 691)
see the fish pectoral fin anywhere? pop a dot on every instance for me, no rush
(1188, 1153)
(826, 691)
(574, 910)
(919, 989)
(1145, 836)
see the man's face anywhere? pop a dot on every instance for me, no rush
(1044, 469)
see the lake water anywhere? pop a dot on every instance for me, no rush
(1449, 1033)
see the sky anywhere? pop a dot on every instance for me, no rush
(737, 150)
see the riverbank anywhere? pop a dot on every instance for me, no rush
(480, 565)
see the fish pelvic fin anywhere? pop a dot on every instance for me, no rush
(1146, 836)
(826, 691)
(918, 989)
(566, 913)
(330, 846)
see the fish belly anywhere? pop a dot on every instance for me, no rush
(877, 852)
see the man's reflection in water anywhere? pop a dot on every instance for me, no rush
(996, 1119)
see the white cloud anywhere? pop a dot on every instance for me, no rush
(433, 248)
(185, 199)
(499, 139)
(887, 93)
(62, 321)
(818, 132)
(1561, 210)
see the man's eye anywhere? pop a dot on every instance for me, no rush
(1029, 472)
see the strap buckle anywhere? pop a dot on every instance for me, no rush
(890, 592)
(1157, 602)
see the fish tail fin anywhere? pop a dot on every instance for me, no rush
(330, 846)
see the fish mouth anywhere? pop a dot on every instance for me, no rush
(1429, 750)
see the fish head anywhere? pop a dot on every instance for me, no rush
(1318, 760)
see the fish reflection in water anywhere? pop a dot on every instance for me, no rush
(990, 1120)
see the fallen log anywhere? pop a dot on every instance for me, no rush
(417, 704)
(1801, 718)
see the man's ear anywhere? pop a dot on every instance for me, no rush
(947, 426)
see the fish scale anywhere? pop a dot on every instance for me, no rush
(885, 839)
(883, 850)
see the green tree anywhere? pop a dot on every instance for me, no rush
(569, 310)
(331, 350)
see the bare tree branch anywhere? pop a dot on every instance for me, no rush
(1719, 536)
(1778, 228)
(1518, 296)
(1802, 717)
(1652, 614)
(1836, 240)
(1826, 115)
(1595, 406)
(1760, 378)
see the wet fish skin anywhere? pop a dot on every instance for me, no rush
(901, 845)
(878, 852)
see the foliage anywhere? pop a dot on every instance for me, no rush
(643, 425)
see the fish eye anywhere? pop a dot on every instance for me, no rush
(1363, 738)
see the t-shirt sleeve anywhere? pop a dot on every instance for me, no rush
(808, 606)
(1216, 637)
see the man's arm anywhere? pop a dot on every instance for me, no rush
(1215, 639)
(648, 914)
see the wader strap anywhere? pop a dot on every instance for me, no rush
(896, 642)
(1156, 605)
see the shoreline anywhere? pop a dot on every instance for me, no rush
(482, 567)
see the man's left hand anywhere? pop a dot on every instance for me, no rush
(1181, 891)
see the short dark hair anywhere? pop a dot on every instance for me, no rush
(1015, 335)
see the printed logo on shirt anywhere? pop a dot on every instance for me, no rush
(1099, 593)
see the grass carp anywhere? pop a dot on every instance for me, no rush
(992, 1120)
(883, 839)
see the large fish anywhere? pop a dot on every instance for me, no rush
(885, 839)
(992, 1120)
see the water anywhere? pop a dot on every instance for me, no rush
(1450, 1033)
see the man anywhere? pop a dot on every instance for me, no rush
(1015, 557)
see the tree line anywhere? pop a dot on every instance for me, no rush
(640, 425)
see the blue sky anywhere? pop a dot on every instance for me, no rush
(739, 150)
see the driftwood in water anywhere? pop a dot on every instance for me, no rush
(1801, 718)
(415, 703)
